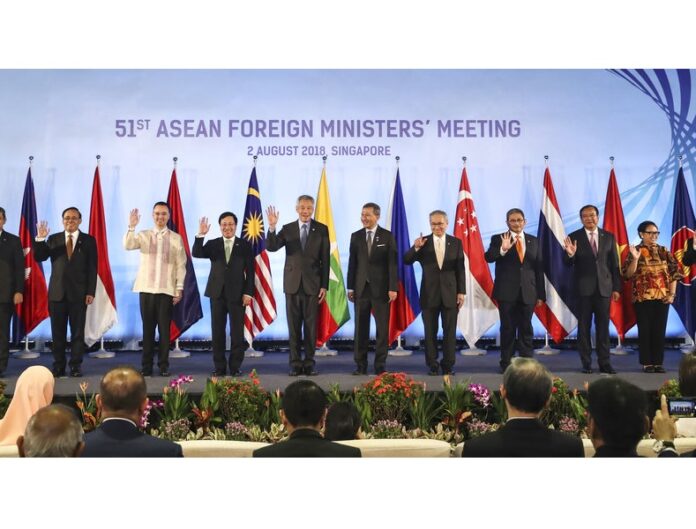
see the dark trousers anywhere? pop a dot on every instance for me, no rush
(449, 335)
(515, 323)
(364, 306)
(220, 310)
(156, 312)
(301, 312)
(62, 313)
(6, 310)
(651, 317)
(599, 307)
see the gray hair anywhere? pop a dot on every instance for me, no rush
(302, 198)
(53, 431)
(438, 212)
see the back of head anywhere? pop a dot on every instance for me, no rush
(619, 410)
(342, 422)
(53, 431)
(527, 385)
(687, 375)
(304, 403)
(33, 391)
(122, 391)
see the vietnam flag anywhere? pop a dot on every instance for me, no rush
(621, 312)
(334, 311)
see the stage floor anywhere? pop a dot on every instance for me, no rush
(272, 370)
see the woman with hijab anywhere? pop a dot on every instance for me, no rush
(34, 390)
(654, 272)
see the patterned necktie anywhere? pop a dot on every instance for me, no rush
(369, 243)
(69, 246)
(518, 247)
(303, 236)
(228, 250)
(593, 243)
(439, 252)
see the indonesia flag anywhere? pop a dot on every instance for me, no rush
(34, 308)
(479, 312)
(188, 311)
(101, 314)
(558, 313)
(406, 307)
(334, 311)
(262, 310)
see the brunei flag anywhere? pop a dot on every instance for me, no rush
(334, 311)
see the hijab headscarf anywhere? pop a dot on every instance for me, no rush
(34, 390)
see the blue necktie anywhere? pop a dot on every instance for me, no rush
(303, 236)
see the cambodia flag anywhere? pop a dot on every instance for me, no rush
(683, 221)
(406, 307)
(34, 309)
(188, 311)
(558, 313)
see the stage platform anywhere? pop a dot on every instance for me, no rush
(272, 370)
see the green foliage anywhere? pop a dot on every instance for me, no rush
(206, 414)
(243, 400)
(389, 396)
(670, 389)
(4, 401)
(564, 404)
(424, 410)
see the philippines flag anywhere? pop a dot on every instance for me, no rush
(34, 308)
(558, 313)
(480, 311)
(188, 311)
(262, 310)
(683, 221)
(101, 314)
(406, 307)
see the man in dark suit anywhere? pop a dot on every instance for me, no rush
(305, 277)
(591, 252)
(526, 390)
(71, 288)
(442, 289)
(122, 400)
(303, 412)
(11, 285)
(372, 286)
(518, 287)
(230, 288)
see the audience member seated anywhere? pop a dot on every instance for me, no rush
(342, 422)
(526, 390)
(686, 427)
(33, 391)
(617, 417)
(664, 431)
(303, 412)
(53, 431)
(122, 399)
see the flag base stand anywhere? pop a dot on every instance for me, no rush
(473, 351)
(177, 352)
(547, 350)
(398, 350)
(325, 351)
(102, 353)
(688, 345)
(26, 354)
(252, 353)
(620, 350)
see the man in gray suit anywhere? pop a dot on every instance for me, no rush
(305, 277)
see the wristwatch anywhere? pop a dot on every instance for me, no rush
(659, 446)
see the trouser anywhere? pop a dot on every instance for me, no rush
(599, 306)
(62, 313)
(301, 312)
(156, 312)
(515, 323)
(364, 306)
(449, 335)
(220, 309)
(651, 317)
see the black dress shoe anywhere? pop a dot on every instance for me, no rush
(608, 370)
(235, 373)
(311, 372)
(146, 372)
(433, 373)
(660, 369)
(75, 372)
(164, 372)
(58, 372)
(295, 373)
(380, 371)
(587, 370)
(218, 373)
(359, 372)
(648, 369)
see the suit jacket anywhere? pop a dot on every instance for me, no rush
(379, 268)
(524, 438)
(307, 442)
(310, 266)
(439, 287)
(590, 272)
(11, 267)
(70, 279)
(511, 275)
(120, 438)
(610, 451)
(235, 278)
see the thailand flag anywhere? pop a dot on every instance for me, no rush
(558, 313)
(406, 307)
(188, 311)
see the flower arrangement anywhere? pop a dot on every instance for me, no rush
(88, 408)
(387, 429)
(175, 430)
(565, 405)
(242, 400)
(236, 431)
(389, 396)
(465, 402)
(176, 409)
(205, 413)
(476, 427)
(669, 388)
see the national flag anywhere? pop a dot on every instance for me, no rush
(34, 307)
(480, 311)
(557, 314)
(188, 311)
(406, 307)
(621, 312)
(683, 221)
(333, 312)
(262, 310)
(101, 314)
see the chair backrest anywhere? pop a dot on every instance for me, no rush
(401, 447)
(219, 448)
(9, 451)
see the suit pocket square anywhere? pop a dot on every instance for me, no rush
(380, 245)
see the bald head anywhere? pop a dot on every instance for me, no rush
(122, 392)
(53, 431)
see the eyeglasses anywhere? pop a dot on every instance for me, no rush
(71, 218)
(655, 233)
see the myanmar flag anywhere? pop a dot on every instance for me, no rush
(334, 311)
